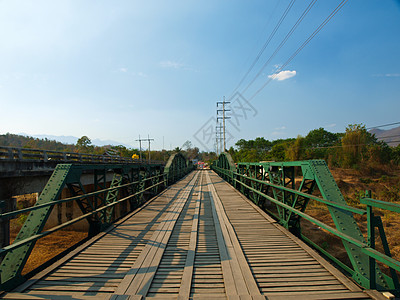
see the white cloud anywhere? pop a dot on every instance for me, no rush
(141, 74)
(392, 75)
(171, 64)
(279, 130)
(387, 75)
(276, 133)
(126, 70)
(331, 125)
(283, 75)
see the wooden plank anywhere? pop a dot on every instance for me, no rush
(327, 296)
(244, 280)
(254, 243)
(136, 282)
(52, 296)
(230, 284)
(79, 249)
(184, 291)
(342, 278)
(185, 256)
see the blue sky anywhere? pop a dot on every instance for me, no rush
(112, 70)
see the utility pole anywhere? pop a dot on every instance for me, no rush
(216, 143)
(163, 148)
(223, 118)
(149, 140)
(140, 147)
(218, 138)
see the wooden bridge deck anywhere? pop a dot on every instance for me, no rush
(198, 239)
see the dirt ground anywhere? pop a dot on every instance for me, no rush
(50, 246)
(353, 183)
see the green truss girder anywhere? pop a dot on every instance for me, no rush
(111, 197)
(69, 175)
(316, 175)
(226, 162)
(14, 261)
(177, 167)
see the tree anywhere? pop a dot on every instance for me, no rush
(396, 155)
(295, 151)
(320, 138)
(278, 152)
(187, 145)
(193, 153)
(354, 144)
(262, 145)
(83, 144)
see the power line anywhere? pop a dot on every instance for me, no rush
(283, 42)
(338, 146)
(391, 142)
(385, 125)
(316, 31)
(140, 145)
(254, 48)
(389, 136)
(266, 43)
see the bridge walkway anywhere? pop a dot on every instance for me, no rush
(200, 238)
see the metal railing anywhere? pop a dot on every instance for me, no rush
(11, 214)
(38, 155)
(376, 222)
(20, 249)
(368, 247)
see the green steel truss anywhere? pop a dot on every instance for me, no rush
(177, 167)
(283, 189)
(96, 189)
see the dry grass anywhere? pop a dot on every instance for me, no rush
(50, 246)
(47, 247)
(352, 184)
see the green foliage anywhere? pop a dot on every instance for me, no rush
(356, 148)
(296, 150)
(19, 141)
(278, 152)
(321, 138)
(395, 155)
(320, 144)
(84, 144)
(354, 145)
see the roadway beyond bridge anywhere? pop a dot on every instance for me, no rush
(199, 238)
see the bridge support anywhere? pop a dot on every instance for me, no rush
(177, 167)
(283, 189)
(98, 200)
(137, 183)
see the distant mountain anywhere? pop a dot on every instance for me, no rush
(391, 136)
(99, 142)
(73, 139)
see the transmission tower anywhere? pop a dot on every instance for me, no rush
(224, 117)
